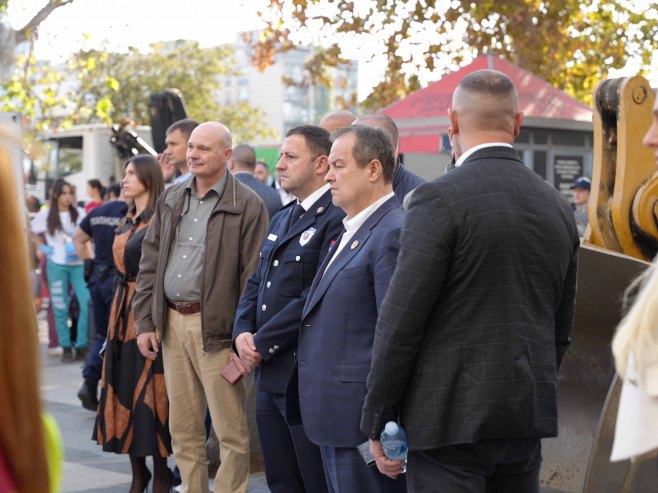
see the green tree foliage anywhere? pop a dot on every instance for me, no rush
(118, 85)
(34, 90)
(25, 85)
(572, 44)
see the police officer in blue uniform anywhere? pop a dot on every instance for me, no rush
(98, 228)
(267, 322)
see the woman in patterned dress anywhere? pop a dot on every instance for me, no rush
(133, 409)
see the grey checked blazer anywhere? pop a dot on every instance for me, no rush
(477, 317)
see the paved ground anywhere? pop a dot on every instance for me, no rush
(86, 467)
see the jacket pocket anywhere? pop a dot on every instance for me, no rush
(299, 267)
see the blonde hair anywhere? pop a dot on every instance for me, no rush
(21, 428)
(637, 333)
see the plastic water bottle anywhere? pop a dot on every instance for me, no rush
(394, 443)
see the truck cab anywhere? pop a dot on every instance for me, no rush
(78, 154)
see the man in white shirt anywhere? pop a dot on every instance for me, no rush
(338, 322)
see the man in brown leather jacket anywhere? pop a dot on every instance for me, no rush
(200, 250)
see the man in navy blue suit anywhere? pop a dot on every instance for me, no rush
(338, 322)
(270, 310)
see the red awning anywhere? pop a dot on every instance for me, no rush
(536, 99)
(427, 143)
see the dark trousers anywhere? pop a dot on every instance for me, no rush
(292, 462)
(101, 294)
(348, 473)
(487, 466)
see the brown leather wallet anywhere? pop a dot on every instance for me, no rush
(231, 373)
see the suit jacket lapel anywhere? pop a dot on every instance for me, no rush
(308, 218)
(322, 282)
(322, 267)
(343, 258)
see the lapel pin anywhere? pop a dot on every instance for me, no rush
(355, 244)
(320, 209)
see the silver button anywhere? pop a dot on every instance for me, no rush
(268, 284)
(271, 351)
(184, 256)
(190, 238)
(196, 220)
(275, 263)
(179, 275)
(264, 307)
(200, 201)
(298, 258)
(276, 347)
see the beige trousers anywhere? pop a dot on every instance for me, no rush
(194, 381)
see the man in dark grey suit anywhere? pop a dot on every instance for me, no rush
(243, 164)
(477, 317)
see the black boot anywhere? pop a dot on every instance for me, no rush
(87, 395)
(81, 354)
(67, 355)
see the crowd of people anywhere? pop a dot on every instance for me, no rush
(450, 315)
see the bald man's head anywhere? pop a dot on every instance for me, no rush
(217, 130)
(208, 150)
(487, 100)
(243, 158)
(484, 109)
(384, 122)
(338, 119)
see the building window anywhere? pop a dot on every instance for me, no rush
(539, 160)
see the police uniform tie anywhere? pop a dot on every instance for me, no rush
(297, 212)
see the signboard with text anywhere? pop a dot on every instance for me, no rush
(565, 170)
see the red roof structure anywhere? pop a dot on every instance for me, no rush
(423, 115)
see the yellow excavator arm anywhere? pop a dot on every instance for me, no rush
(621, 238)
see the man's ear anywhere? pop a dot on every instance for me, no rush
(454, 126)
(227, 154)
(518, 120)
(321, 165)
(375, 170)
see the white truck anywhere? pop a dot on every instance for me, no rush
(83, 152)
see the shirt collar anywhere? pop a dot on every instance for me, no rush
(143, 217)
(354, 223)
(468, 153)
(183, 178)
(308, 202)
(218, 187)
